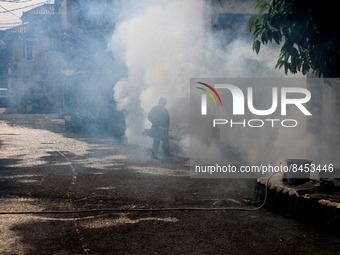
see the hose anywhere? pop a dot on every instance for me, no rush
(151, 209)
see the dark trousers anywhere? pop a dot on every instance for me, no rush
(160, 135)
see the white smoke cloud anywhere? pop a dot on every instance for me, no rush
(162, 50)
(166, 45)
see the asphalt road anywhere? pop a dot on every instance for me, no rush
(44, 167)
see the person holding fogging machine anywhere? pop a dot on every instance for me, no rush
(159, 117)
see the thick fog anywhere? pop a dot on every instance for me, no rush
(125, 55)
(163, 47)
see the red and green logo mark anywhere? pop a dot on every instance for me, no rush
(209, 93)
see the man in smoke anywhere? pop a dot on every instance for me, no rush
(159, 117)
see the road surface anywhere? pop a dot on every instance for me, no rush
(44, 167)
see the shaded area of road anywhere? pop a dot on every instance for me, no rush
(44, 167)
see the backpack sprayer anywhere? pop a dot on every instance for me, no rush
(151, 133)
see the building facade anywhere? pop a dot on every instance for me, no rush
(34, 46)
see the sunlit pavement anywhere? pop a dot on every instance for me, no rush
(44, 167)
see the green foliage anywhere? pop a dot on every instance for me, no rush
(307, 31)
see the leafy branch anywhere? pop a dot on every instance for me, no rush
(309, 40)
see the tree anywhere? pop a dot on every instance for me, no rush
(308, 31)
